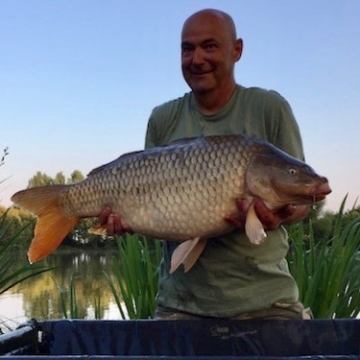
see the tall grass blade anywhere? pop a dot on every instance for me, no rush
(135, 281)
(327, 271)
(10, 276)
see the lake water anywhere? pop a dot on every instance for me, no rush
(40, 297)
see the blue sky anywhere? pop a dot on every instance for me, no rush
(79, 78)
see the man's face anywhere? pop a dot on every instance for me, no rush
(208, 54)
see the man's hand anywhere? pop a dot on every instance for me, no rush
(112, 222)
(270, 220)
(286, 215)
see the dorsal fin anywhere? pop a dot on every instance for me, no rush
(147, 151)
(121, 157)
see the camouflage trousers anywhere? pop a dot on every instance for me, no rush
(278, 310)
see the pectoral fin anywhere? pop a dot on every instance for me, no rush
(187, 253)
(254, 228)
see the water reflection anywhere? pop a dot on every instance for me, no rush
(39, 297)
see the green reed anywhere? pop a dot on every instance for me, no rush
(71, 308)
(135, 276)
(10, 276)
(68, 302)
(328, 271)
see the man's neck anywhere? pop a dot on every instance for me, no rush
(212, 102)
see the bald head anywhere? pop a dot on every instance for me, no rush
(212, 16)
(209, 51)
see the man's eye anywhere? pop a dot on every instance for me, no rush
(186, 48)
(186, 51)
(210, 46)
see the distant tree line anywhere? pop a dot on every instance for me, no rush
(40, 179)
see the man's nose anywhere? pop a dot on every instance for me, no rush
(198, 56)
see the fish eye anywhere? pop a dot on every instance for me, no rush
(292, 171)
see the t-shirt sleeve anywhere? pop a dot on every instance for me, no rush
(157, 125)
(161, 123)
(286, 133)
(150, 137)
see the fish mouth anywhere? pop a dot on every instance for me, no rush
(319, 192)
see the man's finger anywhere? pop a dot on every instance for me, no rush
(110, 229)
(118, 227)
(286, 211)
(104, 215)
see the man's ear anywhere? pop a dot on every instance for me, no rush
(238, 49)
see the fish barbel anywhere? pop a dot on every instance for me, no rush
(182, 191)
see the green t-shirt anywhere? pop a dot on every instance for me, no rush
(232, 275)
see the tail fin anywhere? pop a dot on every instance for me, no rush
(52, 225)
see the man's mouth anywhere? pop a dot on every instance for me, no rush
(202, 72)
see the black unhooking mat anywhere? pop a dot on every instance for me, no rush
(199, 339)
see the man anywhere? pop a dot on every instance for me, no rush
(232, 278)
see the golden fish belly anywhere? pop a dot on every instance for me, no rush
(180, 214)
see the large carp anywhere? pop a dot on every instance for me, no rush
(182, 191)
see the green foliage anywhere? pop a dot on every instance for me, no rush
(12, 232)
(41, 179)
(327, 272)
(59, 178)
(5, 153)
(97, 305)
(322, 227)
(80, 234)
(71, 307)
(16, 222)
(2, 161)
(75, 176)
(68, 301)
(136, 279)
(9, 238)
(10, 276)
(323, 258)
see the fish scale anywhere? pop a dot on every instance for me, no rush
(185, 190)
(181, 182)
